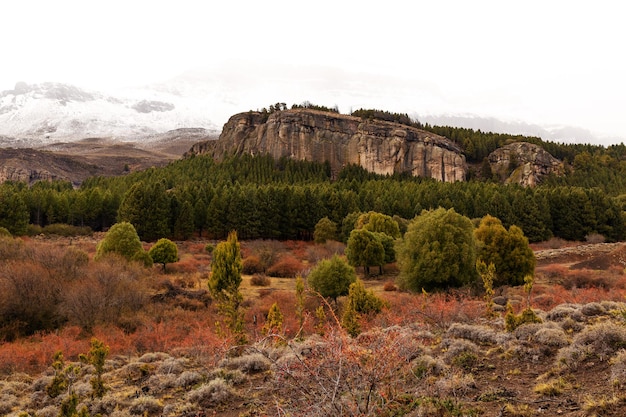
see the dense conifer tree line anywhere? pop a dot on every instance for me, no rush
(284, 199)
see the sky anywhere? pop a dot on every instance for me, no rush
(546, 62)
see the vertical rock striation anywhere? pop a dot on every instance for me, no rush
(304, 134)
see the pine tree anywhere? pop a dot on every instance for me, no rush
(225, 281)
(274, 322)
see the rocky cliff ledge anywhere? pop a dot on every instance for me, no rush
(523, 163)
(305, 134)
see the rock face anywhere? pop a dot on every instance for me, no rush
(305, 134)
(29, 166)
(523, 163)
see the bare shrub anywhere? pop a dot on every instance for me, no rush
(105, 405)
(478, 334)
(609, 305)
(595, 238)
(592, 309)
(455, 385)
(13, 249)
(145, 406)
(268, 251)
(587, 279)
(232, 376)
(618, 369)
(188, 379)
(571, 326)
(214, 393)
(112, 289)
(563, 311)
(335, 248)
(250, 363)
(600, 340)
(456, 347)
(426, 365)
(260, 280)
(29, 299)
(345, 376)
(557, 243)
(551, 336)
(151, 357)
(316, 253)
(171, 366)
(7, 402)
(161, 382)
(48, 411)
(177, 410)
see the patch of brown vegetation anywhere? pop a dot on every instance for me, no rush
(425, 354)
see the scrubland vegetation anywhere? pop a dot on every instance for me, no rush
(255, 287)
(435, 353)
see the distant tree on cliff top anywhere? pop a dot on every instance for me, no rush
(309, 105)
(375, 114)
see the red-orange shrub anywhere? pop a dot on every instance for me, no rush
(187, 265)
(587, 279)
(287, 267)
(252, 265)
(555, 272)
(260, 280)
(298, 248)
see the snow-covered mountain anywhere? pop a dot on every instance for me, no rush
(40, 114)
(50, 112)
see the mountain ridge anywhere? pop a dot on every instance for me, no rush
(39, 114)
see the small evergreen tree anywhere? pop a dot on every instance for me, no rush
(164, 252)
(509, 251)
(331, 278)
(350, 319)
(438, 251)
(97, 356)
(225, 280)
(487, 274)
(365, 249)
(274, 322)
(325, 229)
(320, 314)
(121, 239)
(364, 301)
(59, 382)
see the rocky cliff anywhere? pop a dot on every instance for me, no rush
(305, 134)
(523, 163)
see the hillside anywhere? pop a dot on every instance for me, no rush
(76, 161)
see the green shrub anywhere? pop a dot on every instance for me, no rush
(513, 321)
(66, 230)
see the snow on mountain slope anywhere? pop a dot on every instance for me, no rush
(49, 112)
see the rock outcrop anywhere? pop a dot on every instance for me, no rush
(523, 163)
(305, 134)
(29, 166)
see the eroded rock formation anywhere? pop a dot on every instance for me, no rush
(305, 134)
(523, 163)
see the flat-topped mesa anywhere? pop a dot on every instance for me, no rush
(305, 134)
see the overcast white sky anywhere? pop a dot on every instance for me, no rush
(550, 62)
